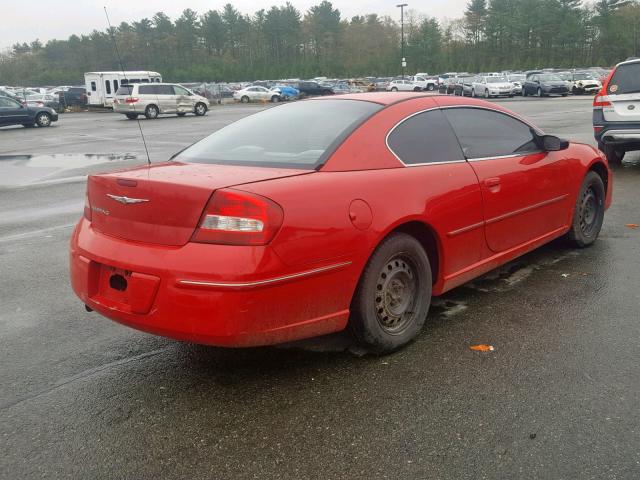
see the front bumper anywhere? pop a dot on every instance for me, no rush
(210, 294)
(555, 90)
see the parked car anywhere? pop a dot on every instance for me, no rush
(581, 82)
(517, 79)
(44, 100)
(7, 93)
(286, 92)
(311, 89)
(447, 85)
(424, 83)
(257, 94)
(403, 86)
(153, 99)
(73, 96)
(616, 112)
(544, 84)
(459, 85)
(492, 86)
(12, 112)
(251, 237)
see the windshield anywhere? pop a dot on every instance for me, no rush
(549, 78)
(517, 78)
(496, 80)
(297, 135)
(583, 76)
(626, 79)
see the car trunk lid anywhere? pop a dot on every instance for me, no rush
(162, 203)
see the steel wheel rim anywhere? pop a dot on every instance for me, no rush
(589, 207)
(396, 294)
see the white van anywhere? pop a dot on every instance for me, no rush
(102, 86)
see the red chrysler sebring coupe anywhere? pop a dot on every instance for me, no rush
(320, 215)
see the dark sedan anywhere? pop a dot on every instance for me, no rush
(544, 84)
(14, 113)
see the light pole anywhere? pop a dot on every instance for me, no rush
(404, 61)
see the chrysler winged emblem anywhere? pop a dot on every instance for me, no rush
(127, 200)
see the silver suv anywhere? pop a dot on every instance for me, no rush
(616, 112)
(153, 99)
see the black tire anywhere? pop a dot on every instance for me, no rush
(524, 92)
(244, 99)
(43, 119)
(574, 90)
(431, 87)
(200, 109)
(131, 116)
(394, 89)
(486, 93)
(275, 99)
(539, 92)
(614, 155)
(151, 112)
(393, 296)
(588, 213)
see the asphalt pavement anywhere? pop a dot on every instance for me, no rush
(85, 398)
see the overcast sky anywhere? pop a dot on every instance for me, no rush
(26, 20)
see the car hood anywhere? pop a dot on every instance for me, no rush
(554, 84)
(500, 85)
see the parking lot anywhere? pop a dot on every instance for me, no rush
(84, 397)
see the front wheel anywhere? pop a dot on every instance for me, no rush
(275, 99)
(473, 93)
(394, 89)
(524, 92)
(539, 92)
(200, 109)
(43, 119)
(486, 94)
(589, 212)
(244, 99)
(393, 296)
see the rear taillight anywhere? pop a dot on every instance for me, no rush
(40, 104)
(601, 100)
(597, 128)
(238, 218)
(87, 204)
(132, 100)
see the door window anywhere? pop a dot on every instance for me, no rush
(164, 89)
(425, 138)
(93, 86)
(486, 133)
(180, 90)
(147, 89)
(107, 85)
(115, 85)
(8, 103)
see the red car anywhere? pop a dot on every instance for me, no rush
(315, 216)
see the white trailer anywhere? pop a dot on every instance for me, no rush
(102, 86)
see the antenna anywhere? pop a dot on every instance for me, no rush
(115, 46)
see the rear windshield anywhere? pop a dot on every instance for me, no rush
(626, 79)
(297, 135)
(125, 90)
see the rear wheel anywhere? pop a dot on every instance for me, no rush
(614, 154)
(43, 119)
(200, 109)
(394, 89)
(589, 212)
(275, 99)
(151, 112)
(131, 116)
(431, 87)
(393, 296)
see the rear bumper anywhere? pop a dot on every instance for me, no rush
(128, 108)
(619, 133)
(209, 294)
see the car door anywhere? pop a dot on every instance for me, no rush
(184, 99)
(167, 99)
(13, 113)
(525, 190)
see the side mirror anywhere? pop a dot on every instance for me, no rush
(551, 143)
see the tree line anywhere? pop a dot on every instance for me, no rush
(283, 42)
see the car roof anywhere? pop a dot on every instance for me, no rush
(631, 60)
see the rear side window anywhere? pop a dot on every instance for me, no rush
(626, 79)
(93, 86)
(164, 89)
(486, 133)
(147, 89)
(425, 138)
(297, 135)
(125, 90)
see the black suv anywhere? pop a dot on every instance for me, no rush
(308, 89)
(73, 96)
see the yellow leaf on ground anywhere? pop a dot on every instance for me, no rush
(631, 225)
